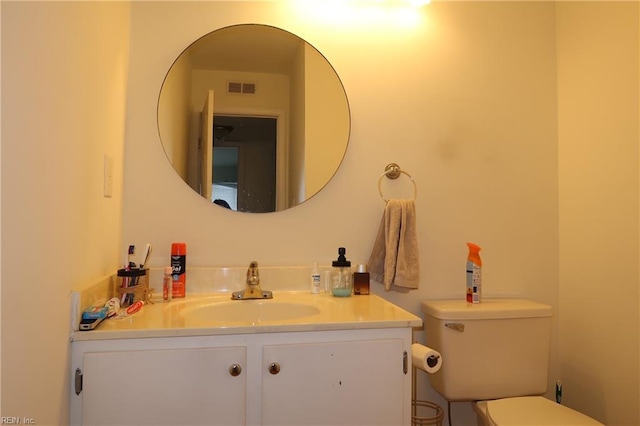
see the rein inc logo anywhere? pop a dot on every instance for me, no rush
(11, 420)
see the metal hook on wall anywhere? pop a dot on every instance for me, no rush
(393, 171)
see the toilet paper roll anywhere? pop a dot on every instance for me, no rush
(425, 358)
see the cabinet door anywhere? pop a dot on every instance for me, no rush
(164, 387)
(357, 382)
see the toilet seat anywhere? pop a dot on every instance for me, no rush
(530, 410)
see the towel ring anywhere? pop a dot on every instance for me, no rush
(393, 171)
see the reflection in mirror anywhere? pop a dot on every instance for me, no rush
(253, 118)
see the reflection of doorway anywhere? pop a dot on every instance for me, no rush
(244, 162)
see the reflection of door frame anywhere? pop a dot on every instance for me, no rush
(205, 157)
(282, 169)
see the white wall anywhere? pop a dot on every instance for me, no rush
(465, 102)
(598, 100)
(64, 69)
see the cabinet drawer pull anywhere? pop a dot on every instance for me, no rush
(235, 370)
(274, 368)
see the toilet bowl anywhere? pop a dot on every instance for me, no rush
(496, 353)
(528, 411)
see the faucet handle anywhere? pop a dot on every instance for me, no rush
(253, 275)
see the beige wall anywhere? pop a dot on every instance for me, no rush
(465, 102)
(472, 102)
(64, 69)
(598, 102)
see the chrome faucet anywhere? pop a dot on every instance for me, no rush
(253, 290)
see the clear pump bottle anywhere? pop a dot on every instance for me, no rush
(315, 279)
(341, 276)
(167, 284)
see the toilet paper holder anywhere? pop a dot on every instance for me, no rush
(429, 361)
(433, 360)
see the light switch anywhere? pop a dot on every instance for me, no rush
(108, 176)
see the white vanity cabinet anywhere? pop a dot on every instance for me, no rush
(316, 377)
(161, 386)
(358, 382)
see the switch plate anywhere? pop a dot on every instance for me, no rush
(108, 176)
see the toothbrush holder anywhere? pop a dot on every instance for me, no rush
(132, 285)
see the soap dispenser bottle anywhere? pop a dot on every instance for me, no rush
(341, 276)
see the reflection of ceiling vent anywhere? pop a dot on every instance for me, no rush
(236, 87)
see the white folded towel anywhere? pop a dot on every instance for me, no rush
(394, 259)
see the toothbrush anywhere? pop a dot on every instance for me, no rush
(130, 264)
(147, 254)
(145, 260)
(125, 282)
(132, 251)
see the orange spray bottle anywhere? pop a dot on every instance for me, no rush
(179, 269)
(474, 274)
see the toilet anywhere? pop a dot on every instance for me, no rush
(496, 354)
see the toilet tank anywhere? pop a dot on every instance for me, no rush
(498, 348)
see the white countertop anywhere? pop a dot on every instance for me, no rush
(173, 319)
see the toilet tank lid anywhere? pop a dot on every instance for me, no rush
(535, 410)
(488, 309)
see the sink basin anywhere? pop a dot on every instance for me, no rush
(249, 311)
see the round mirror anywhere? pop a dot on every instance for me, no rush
(253, 118)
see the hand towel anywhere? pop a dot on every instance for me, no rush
(394, 258)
